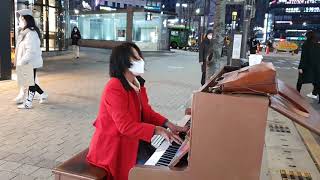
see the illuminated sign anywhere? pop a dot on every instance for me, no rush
(312, 9)
(154, 8)
(285, 46)
(303, 9)
(298, 1)
(293, 10)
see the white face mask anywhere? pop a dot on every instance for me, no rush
(137, 67)
(22, 23)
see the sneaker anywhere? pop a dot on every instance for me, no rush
(27, 102)
(24, 106)
(310, 95)
(43, 98)
(18, 100)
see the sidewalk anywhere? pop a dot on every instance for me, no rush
(32, 142)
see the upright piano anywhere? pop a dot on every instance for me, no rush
(227, 136)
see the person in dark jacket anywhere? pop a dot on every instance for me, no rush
(253, 44)
(75, 36)
(309, 67)
(205, 54)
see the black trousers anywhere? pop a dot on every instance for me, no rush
(145, 151)
(36, 87)
(315, 90)
(204, 72)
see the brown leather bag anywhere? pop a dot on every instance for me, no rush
(257, 79)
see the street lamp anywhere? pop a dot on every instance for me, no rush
(177, 4)
(184, 5)
(76, 11)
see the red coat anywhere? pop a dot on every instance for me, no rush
(119, 127)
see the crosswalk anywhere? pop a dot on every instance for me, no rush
(284, 64)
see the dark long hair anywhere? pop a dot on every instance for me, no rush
(73, 30)
(31, 24)
(311, 36)
(120, 61)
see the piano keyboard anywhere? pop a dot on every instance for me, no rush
(165, 151)
(157, 140)
(168, 155)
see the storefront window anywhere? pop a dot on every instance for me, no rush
(50, 16)
(146, 33)
(103, 26)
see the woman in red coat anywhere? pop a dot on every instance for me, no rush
(125, 118)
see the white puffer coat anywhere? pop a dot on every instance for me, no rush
(28, 49)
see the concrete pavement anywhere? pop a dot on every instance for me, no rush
(33, 141)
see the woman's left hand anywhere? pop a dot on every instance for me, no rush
(176, 129)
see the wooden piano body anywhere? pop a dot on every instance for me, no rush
(219, 123)
(228, 135)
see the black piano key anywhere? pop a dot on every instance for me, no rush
(161, 164)
(168, 155)
(165, 161)
(166, 158)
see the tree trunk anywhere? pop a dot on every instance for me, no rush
(218, 33)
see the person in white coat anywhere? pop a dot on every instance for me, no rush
(28, 51)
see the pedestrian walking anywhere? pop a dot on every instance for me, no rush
(75, 36)
(28, 52)
(126, 122)
(205, 54)
(253, 45)
(22, 93)
(309, 66)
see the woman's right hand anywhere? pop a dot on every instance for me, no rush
(300, 71)
(169, 136)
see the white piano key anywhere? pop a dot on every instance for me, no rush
(162, 145)
(158, 153)
(156, 141)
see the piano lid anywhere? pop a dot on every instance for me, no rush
(292, 105)
(288, 102)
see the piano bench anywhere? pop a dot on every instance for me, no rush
(77, 168)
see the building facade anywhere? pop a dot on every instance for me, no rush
(119, 4)
(50, 16)
(291, 19)
(107, 29)
(83, 5)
